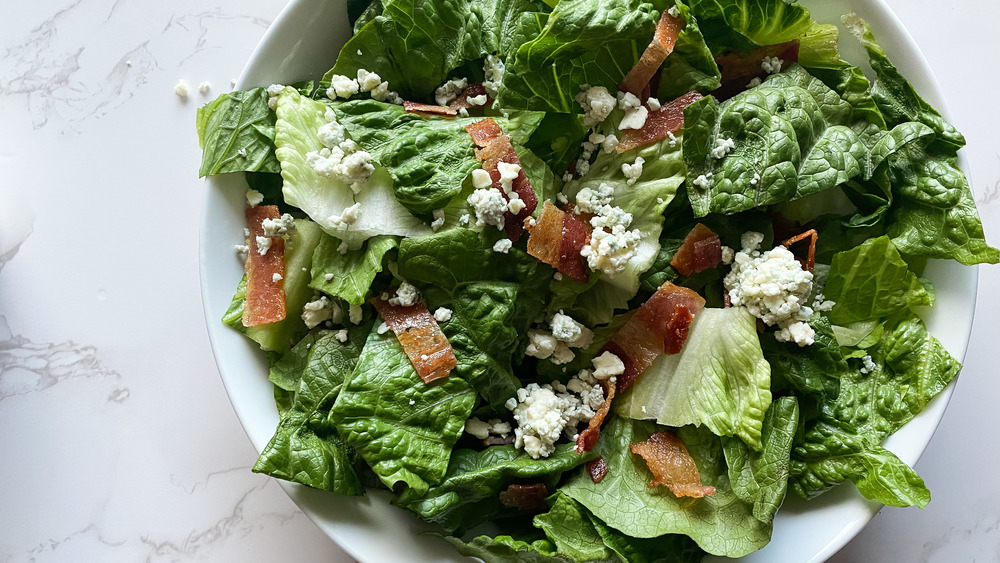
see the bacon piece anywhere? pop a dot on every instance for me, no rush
(556, 239)
(660, 325)
(597, 468)
(588, 438)
(667, 30)
(424, 343)
(672, 465)
(525, 497)
(496, 148)
(415, 107)
(738, 69)
(471, 91)
(660, 124)
(700, 251)
(810, 261)
(265, 298)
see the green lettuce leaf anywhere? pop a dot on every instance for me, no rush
(415, 44)
(504, 549)
(811, 373)
(277, 336)
(306, 447)
(761, 478)
(871, 281)
(428, 157)
(469, 493)
(299, 120)
(793, 136)
(569, 527)
(352, 273)
(721, 524)
(404, 428)
(236, 134)
(719, 379)
(691, 66)
(769, 22)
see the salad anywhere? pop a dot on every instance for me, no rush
(594, 281)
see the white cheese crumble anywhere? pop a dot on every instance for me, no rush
(273, 92)
(489, 207)
(628, 100)
(355, 314)
(483, 430)
(254, 198)
(674, 12)
(279, 227)
(503, 246)
(493, 69)
(242, 249)
(276, 277)
(755, 179)
(634, 170)
(263, 245)
(348, 217)
(596, 102)
(382, 328)
(438, 221)
(753, 83)
(508, 173)
(592, 200)
(820, 302)
(653, 103)
(479, 100)
(204, 87)
(608, 365)
(611, 251)
(727, 255)
(328, 276)
(442, 314)
(181, 89)
(368, 81)
(407, 295)
(609, 144)
(481, 179)
(868, 365)
(318, 310)
(566, 329)
(342, 87)
(341, 335)
(773, 286)
(541, 344)
(546, 413)
(704, 181)
(516, 204)
(722, 148)
(771, 65)
(634, 118)
(450, 90)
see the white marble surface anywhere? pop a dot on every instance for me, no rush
(117, 440)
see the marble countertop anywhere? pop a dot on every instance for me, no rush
(117, 438)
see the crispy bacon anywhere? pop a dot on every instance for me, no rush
(672, 465)
(700, 251)
(556, 239)
(659, 326)
(415, 107)
(265, 297)
(427, 347)
(525, 497)
(661, 123)
(597, 468)
(588, 438)
(738, 69)
(810, 261)
(664, 38)
(471, 91)
(496, 148)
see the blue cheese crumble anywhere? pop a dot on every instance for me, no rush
(773, 286)
(450, 90)
(771, 65)
(489, 207)
(634, 170)
(547, 413)
(442, 314)
(597, 104)
(503, 246)
(722, 148)
(407, 295)
(493, 69)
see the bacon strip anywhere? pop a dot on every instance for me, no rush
(810, 261)
(525, 497)
(471, 91)
(588, 438)
(664, 39)
(660, 124)
(597, 468)
(496, 148)
(415, 107)
(672, 465)
(427, 347)
(265, 298)
(700, 251)
(556, 239)
(660, 325)
(738, 69)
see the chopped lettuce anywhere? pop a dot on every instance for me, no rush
(719, 379)
(351, 273)
(236, 134)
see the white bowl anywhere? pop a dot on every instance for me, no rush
(303, 43)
